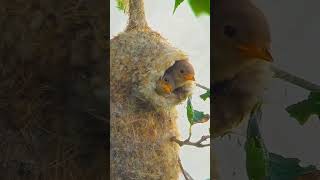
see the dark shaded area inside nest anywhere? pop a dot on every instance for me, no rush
(53, 97)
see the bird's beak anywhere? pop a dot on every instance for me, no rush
(167, 88)
(252, 51)
(189, 77)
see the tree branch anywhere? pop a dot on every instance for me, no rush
(285, 76)
(203, 87)
(288, 77)
(188, 142)
(184, 172)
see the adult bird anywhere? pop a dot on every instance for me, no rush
(241, 59)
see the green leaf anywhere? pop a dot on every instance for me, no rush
(122, 5)
(190, 111)
(315, 96)
(282, 168)
(256, 152)
(195, 116)
(176, 4)
(302, 110)
(200, 7)
(262, 164)
(205, 95)
(256, 159)
(200, 117)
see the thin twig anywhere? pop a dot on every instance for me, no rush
(190, 133)
(184, 172)
(188, 142)
(203, 87)
(286, 76)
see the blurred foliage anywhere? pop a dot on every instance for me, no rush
(205, 96)
(302, 110)
(262, 164)
(122, 5)
(199, 7)
(282, 168)
(257, 155)
(176, 4)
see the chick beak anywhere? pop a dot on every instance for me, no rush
(189, 77)
(252, 51)
(167, 88)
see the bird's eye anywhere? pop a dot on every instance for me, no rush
(229, 31)
(181, 71)
(166, 80)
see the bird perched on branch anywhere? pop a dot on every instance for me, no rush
(241, 59)
(177, 79)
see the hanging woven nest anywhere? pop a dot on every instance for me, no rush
(142, 121)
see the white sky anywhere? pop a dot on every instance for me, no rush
(192, 35)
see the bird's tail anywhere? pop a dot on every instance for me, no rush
(135, 10)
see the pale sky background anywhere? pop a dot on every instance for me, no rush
(192, 35)
(295, 32)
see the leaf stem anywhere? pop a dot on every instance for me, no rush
(288, 77)
(190, 132)
(201, 86)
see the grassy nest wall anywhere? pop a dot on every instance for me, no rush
(142, 122)
(52, 98)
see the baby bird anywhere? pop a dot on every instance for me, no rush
(165, 85)
(241, 57)
(182, 73)
(177, 79)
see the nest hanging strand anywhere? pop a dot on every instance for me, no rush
(137, 18)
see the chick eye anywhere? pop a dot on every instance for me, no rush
(181, 71)
(229, 31)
